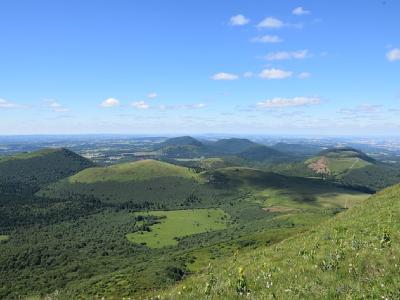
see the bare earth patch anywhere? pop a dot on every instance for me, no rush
(320, 166)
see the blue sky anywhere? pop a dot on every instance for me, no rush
(178, 67)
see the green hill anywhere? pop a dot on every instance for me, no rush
(134, 171)
(140, 184)
(352, 256)
(181, 147)
(337, 162)
(183, 151)
(347, 166)
(39, 168)
(231, 146)
(180, 141)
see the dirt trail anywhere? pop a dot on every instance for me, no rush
(352, 166)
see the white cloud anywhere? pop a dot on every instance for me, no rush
(304, 75)
(224, 76)
(393, 54)
(248, 74)
(110, 102)
(282, 55)
(270, 39)
(289, 102)
(152, 95)
(7, 104)
(140, 105)
(55, 106)
(275, 74)
(271, 22)
(299, 11)
(238, 20)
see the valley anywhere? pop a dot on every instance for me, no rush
(162, 220)
(199, 150)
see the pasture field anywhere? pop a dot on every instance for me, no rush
(352, 256)
(3, 237)
(179, 223)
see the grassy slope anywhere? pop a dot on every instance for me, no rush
(135, 171)
(3, 237)
(339, 166)
(352, 168)
(354, 255)
(269, 189)
(179, 223)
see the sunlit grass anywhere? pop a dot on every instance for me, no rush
(179, 223)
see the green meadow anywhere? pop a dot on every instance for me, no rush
(179, 223)
(352, 256)
(3, 238)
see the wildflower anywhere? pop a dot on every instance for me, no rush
(241, 283)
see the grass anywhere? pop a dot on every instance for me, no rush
(309, 198)
(179, 223)
(352, 256)
(338, 165)
(133, 171)
(3, 237)
(268, 190)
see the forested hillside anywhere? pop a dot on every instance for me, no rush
(36, 169)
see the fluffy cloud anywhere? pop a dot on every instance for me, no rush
(282, 55)
(55, 106)
(140, 105)
(224, 76)
(152, 95)
(110, 102)
(7, 104)
(271, 22)
(393, 54)
(275, 74)
(270, 39)
(238, 20)
(299, 11)
(289, 102)
(304, 75)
